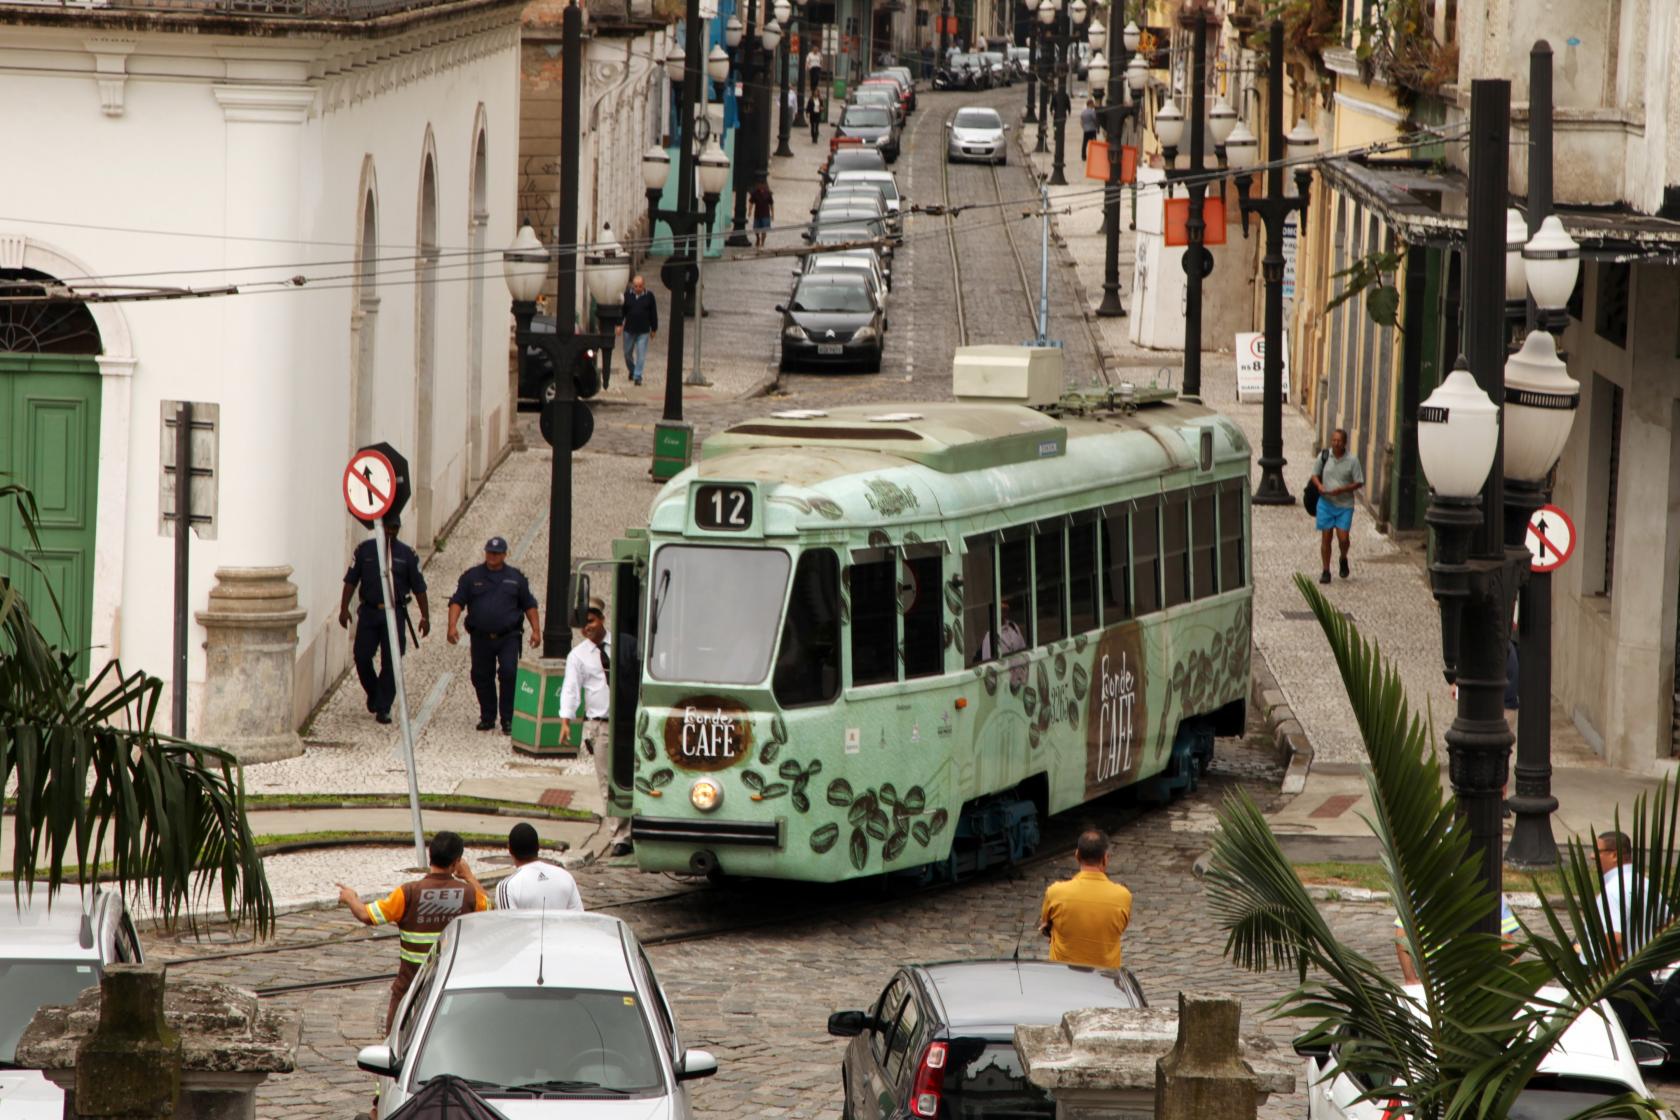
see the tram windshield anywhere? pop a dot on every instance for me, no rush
(713, 613)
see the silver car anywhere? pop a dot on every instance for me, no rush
(546, 1015)
(47, 956)
(976, 134)
(883, 181)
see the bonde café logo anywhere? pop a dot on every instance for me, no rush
(708, 733)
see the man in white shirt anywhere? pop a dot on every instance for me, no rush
(536, 885)
(586, 684)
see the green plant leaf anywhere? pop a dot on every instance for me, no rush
(1383, 305)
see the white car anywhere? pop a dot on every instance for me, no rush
(883, 181)
(47, 956)
(545, 1015)
(1594, 1060)
(976, 133)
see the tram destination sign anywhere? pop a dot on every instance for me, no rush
(723, 509)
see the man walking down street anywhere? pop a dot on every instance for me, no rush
(536, 884)
(586, 685)
(371, 635)
(763, 205)
(639, 323)
(1087, 125)
(421, 908)
(813, 114)
(494, 594)
(1337, 477)
(1085, 916)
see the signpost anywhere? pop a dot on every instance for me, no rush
(376, 487)
(1251, 366)
(1550, 539)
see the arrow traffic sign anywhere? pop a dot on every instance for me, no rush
(1550, 538)
(370, 485)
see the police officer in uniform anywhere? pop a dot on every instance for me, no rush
(495, 595)
(371, 636)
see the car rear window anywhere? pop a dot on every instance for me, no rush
(988, 1079)
(977, 118)
(858, 116)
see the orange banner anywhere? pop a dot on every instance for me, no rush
(1096, 162)
(1178, 214)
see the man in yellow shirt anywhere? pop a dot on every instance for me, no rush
(1084, 916)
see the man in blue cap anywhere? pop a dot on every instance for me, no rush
(371, 635)
(495, 595)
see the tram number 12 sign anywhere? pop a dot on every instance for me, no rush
(725, 509)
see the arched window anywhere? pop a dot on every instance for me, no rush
(31, 323)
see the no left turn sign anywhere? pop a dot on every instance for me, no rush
(370, 485)
(1550, 538)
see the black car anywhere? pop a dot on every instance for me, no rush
(940, 1041)
(833, 318)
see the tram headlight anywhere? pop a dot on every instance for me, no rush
(705, 794)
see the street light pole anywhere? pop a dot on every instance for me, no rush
(746, 132)
(1046, 79)
(1063, 44)
(784, 122)
(1032, 69)
(1198, 262)
(1274, 211)
(799, 67)
(1120, 44)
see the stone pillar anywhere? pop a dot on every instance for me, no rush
(1134, 1064)
(137, 1048)
(251, 628)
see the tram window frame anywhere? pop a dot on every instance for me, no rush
(1084, 581)
(1175, 548)
(1015, 545)
(1146, 557)
(1232, 569)
(1116, 565)
(799, 653)
(1204, 543)
(880, 611)
(924, 622)
(1050, 582)
(980, 597)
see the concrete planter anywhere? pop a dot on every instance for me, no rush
(251, 640)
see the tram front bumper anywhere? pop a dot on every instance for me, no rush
(674, 830)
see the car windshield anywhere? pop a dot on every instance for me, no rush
(560, 1041)
(1558, 1098)
(713, 615)
(835, 235)
(987, 1079)
(885, 187)
(856, 160)
(831, 297)
(864, 116)
(978, 118)
(27, 986)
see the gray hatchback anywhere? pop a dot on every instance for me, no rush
(940, 1040)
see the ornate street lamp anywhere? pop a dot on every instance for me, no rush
(607, 275)
(1118, 109)
(717, 64)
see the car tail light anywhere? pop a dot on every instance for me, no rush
(930, 1081)
(1393, 1111)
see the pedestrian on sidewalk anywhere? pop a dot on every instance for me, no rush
(1087, 125)
(813, 114)
(585, 686)
(371, 635)
(495, 595)
(638, 322)
(536, 884)
(1085, 916)
(763, 205)
(1337, 477)
(421, 908)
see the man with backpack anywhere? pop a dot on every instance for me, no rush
(1337, 476)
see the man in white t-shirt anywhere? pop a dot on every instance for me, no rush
(535, 885)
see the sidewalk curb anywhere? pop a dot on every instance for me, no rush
(1285, 731)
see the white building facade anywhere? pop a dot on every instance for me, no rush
(366, 147)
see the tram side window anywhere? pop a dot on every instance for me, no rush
(1117, 583)
(979, 620)
(1082, 577)
(1052, 615)
(924, 621)
(1015, 613)
(808, 662)
(875, 621)
(1204, 545)
(1175, 549)
(1146, 557)
(1231, 536)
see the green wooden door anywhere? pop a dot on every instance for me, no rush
(49, 442)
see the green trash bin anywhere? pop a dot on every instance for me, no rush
(536, 711)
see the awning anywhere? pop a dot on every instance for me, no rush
(1425, 204)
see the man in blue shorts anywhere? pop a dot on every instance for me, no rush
(1338, 477)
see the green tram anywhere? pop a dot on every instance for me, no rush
(865, 641)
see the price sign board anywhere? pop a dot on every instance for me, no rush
(1550, 538)
(1251, 365)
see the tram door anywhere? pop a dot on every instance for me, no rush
(627, 672)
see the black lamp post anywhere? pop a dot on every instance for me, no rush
(1478, 570)
(1062, 20)
(1046, 12)
(779, 51)
(1119, 110)
(746, 137)
(798, 12)
(1032, 116)
(1274, 211)
(608, 269)
(672, 435)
